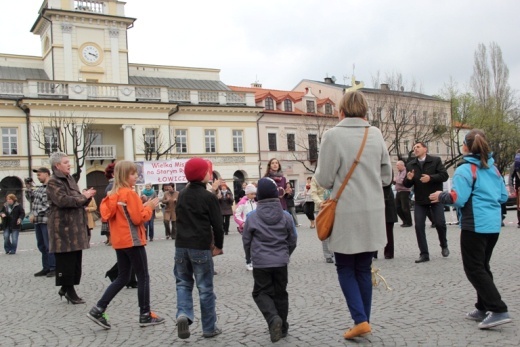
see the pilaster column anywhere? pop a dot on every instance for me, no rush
(128, 141)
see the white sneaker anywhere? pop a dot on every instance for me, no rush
(249, 267)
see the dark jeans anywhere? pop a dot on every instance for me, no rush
(389, 248)
(476, 250)
(308, 208)
(402, 204)
(170, 232)
(42, 241)
(68, 268)
(128, 259)
(225, 225)
(149, 227)
(270, 293)
(355, 279)
(420, 212)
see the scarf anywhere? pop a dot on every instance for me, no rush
(276, 175)
(148, 192)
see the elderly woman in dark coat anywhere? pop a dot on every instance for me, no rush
(67, 224)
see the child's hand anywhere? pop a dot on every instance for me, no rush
(152, 203)
(216, 251)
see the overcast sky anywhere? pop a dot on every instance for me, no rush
(280, 42)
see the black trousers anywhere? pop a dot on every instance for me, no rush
(270, 293)
(170, 231)
(308, 208)
(420, 213)
(476, 250)
(225, 225)
(68, 268)
(402, 204)
(389, 248)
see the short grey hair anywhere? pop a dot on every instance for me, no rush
(56, 157)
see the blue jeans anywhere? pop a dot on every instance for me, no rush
(195, 266)
(420, 212)
(148, 227)
(355, 279)
(11, 240)
(42, 240)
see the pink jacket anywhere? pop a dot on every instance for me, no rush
(243, 207)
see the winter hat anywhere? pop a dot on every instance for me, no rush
(196, 169)
(250, 189)
(267, 189)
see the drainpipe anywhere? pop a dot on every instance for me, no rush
(258, 139)
(27, 112)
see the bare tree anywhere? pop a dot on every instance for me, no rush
(154, 145)
(62, 132)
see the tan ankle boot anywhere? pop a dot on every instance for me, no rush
(360, 329)
(313, 224)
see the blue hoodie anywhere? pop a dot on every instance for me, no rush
(269, 235)
(478, 199)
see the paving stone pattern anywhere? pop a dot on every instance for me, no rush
(425, 308)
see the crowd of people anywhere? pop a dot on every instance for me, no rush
(198, 218)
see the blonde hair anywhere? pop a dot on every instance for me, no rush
(354, 104)
(12, 197)
(122, 171)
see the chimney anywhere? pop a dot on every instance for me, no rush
(256, 85)
(328, 80)
(384, 86)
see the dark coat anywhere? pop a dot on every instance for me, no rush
(67, 223)
(226, 202)
(390, 209)
(10, 221)
(433, 167)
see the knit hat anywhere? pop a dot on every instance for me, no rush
(196, 169)
(250, 189)
(267, 189)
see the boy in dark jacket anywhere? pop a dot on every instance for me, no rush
(200, 236)
(269, 239)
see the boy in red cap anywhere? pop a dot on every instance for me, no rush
(199, 237)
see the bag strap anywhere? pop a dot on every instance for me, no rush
(351, 171)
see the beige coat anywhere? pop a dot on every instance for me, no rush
(170, 203)
(90, 218)
(359, 224)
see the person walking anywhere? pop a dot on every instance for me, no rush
(90, 208)
(12, 214)
(390, 220)
(225, 200)
(310, 205)
(148, 193)
(359, 224)
(67, 224)
(402, 196)
(126, 214)
(246, 205)
(478, 191)
(319, 195)
(39, 215)
(200, 236)
(169, 201)
(289, 201)
(426, 174)
(269, 239)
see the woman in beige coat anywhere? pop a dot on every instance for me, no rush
(169, 201)
(359, 225)
(91, 208)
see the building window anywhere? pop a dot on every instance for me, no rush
(287, 105)
(51, 140)
(150, 140)
(310, 106)
(437, 147)
(328, 108)
(425, 117)
(313, 147)
(291, 144)
(271, 137)
(269, 104)
(9, 141)
(404, 119)
(238, 141)
(181, 141)
(210, 140)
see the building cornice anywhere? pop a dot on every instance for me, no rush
(81, 104)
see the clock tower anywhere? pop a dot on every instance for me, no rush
(84, 40)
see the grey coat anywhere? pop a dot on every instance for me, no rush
(359, 224)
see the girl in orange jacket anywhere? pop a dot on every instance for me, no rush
(126, 215)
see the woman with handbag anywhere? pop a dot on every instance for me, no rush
(359, 219)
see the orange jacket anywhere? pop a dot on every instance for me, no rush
(126, 215)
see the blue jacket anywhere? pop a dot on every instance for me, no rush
(269, 235)
(478, 194)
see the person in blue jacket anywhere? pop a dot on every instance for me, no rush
(478, 191)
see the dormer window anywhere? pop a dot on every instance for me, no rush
(328, 108)
(269, 104)
(310, 106)
(287, 105)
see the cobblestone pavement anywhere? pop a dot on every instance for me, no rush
(425, 308)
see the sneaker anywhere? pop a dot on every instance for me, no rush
(275, 329)
(41, 273)
(99, 317)
(51, 274)
(249, 267)
(183, 327)
(150, 318)
(476, 315)
(214, 333)
(445, 252)
(494, 319)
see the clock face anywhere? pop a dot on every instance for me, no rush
(91, 54)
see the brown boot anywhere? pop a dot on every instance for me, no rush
(360, 329)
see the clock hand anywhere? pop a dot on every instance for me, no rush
(95, 55)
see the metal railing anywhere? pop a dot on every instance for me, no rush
(101, 152)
